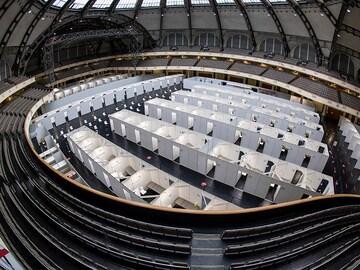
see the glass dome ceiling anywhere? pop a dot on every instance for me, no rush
(130, 4)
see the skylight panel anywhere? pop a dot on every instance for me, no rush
(102, 3)
(59, 3)
(78, 4)
(277, 1)
(200, 2)
(150, 3)
(222, 2)
(170, 3)
(126, 4)
(251, 1)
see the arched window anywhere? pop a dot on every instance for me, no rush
(271, 45)
(175, 39)
(343, 63)
(207, 39)
(238, 42)
(305, 52)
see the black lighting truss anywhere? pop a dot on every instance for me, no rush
(135, 40)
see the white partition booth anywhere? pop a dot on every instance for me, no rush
(108, 162)
(251, 98)
(131, 178)
(349, 144)
(268, 140)
(61, 93)
(236, 87)
(233, 165)
(72, 110)
(257, 114)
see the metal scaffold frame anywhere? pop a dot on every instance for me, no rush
(135, 41)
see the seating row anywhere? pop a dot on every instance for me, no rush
(132, 224)
(232, 234)
(128, 239)
(293, 236)
(85, 238)
(297, 252)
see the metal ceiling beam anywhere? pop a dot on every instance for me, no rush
(36, 43)
(87, 7)
(113, 6)
(279, 27)
(187, 7)
(241, 6)
(4, 7)
(345, 5)
(346, 50)
(29, 31)
(24, 10)
(137, 8)
(326, 11)
(162, 9)
(218, 21)
(309, 28)
(349, 29)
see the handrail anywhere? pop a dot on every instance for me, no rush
(67, 180)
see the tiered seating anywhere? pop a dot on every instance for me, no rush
(350, 100)
(4, 86)
(316, 88)
(35, 93)
(17, 80)
(248, 68)
(187, 62)
(278, 75)
(121, 63)
(213, 64)
(19, 105)
(73, 72)
(298, 236)
(99, 65)
(153, 62)
(54, 224)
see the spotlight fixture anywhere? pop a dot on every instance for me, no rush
(204, 48)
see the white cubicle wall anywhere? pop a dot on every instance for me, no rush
(131, 178)
(189, 83)
(272, 141)
(97, 101)
(245, 111)
(95, 153)
(350, 134)
(251, 98)
(171, 142)
(220, 160)
(109, 82)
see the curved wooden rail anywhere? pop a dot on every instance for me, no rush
(184, 216)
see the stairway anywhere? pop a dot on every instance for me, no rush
(207, 252)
